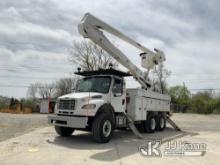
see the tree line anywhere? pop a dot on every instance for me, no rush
(51, 90)
(204, 102)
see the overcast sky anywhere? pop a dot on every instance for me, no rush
(35, 36)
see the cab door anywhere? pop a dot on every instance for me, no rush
(118, 95)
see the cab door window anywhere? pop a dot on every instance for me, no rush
(118, 86)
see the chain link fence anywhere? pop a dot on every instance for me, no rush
(178, 108)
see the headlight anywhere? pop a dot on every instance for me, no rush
(88, 106)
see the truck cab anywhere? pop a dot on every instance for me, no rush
(98, 92)
(92, 92)
(101, 102)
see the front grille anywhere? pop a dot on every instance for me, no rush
(67, 104)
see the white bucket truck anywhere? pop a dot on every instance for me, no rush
(101, 101)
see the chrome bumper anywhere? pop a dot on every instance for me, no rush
(68, 121)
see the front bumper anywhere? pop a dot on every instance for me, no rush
(68, 121)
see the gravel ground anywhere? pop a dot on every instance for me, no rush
(44, 146)
(13, 125)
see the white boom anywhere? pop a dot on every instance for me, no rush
(91, 27)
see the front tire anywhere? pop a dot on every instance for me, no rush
(102, 128)
(64, 131)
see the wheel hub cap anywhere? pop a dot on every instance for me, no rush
(107, 127)
(153, 123)
(161, 122)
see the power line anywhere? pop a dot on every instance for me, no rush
(131, 80)
(206, 89)
(28, 77)
(40, 69)
(192, 74)
(23, 86)
(26, 86)
(13, 86)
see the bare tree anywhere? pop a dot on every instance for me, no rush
(43, 90)
(90, 56)
(160, 75)
(46, 90)
(65, 86)
(32, 91)
(59, 88)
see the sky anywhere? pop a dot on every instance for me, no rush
(36, 36)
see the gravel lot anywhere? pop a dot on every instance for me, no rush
(13, 125)
(43, 146)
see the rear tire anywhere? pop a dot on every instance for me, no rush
(102, 128)
(64, 131)
(161, 123)
(150, 124)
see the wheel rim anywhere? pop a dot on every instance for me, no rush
(162, 122)
(107, 127)
(153, 124)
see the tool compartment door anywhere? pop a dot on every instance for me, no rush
(142, 101)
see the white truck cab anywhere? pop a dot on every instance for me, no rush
(91, 93)
(103, 93)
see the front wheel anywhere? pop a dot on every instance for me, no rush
(102, 128)
(64, 131)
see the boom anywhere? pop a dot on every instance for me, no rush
(91, 27)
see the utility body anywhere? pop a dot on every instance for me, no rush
(101, 102)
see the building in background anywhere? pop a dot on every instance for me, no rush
(47, 105)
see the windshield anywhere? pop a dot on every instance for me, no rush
(94, 84)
